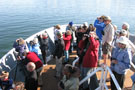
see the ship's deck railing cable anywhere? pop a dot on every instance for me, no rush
(104, 70)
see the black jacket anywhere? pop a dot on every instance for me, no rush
(43, 43)
(59, 48)
(31, 81)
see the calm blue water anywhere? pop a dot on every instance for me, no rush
(22, 18)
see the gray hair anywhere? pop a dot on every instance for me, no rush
(126, 24)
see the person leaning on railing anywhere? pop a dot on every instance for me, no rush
(120, 61)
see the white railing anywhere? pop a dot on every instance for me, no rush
(91, 74)
(104, 70)
(8, 61)
(75, 61)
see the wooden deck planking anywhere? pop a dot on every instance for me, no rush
(50, 82)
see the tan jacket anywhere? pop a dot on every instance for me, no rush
(108, 34)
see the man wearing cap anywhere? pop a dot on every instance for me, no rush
(99, 24)
(70, 26)
(72, 29)
(107, 38)
(120, 61)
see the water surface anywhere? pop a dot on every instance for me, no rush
(22, 18)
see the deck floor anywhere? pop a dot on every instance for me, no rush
(49, 82)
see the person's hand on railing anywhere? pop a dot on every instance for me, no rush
(103, 65)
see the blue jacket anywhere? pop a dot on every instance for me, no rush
(34, 48)
(123, 56)
(99, 28)
(6, 85)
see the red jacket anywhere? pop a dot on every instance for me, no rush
(67, 41)
(90, 58)
(32, 57)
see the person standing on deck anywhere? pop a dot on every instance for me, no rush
(58, 54)
(56, 30)
(90, 60)
(107, 38)
(72, 29)
(116, 36)
(99, 24)
(67, 40)
(120, 61)
(43, 40)
(126, 26)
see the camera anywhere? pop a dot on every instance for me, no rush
(86, 35)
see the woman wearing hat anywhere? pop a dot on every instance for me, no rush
(20, 47)
(120, 61)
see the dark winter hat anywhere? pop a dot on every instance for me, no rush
(70, 23)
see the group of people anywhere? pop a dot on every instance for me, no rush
(31, 56)
(92, 42)
(99, 41)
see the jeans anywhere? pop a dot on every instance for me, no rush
(100, 51)
(66, 55)
(71, 47)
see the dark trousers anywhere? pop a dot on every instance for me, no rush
(31, 81)
(93, 82)
(120, 79)
(44, 55)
